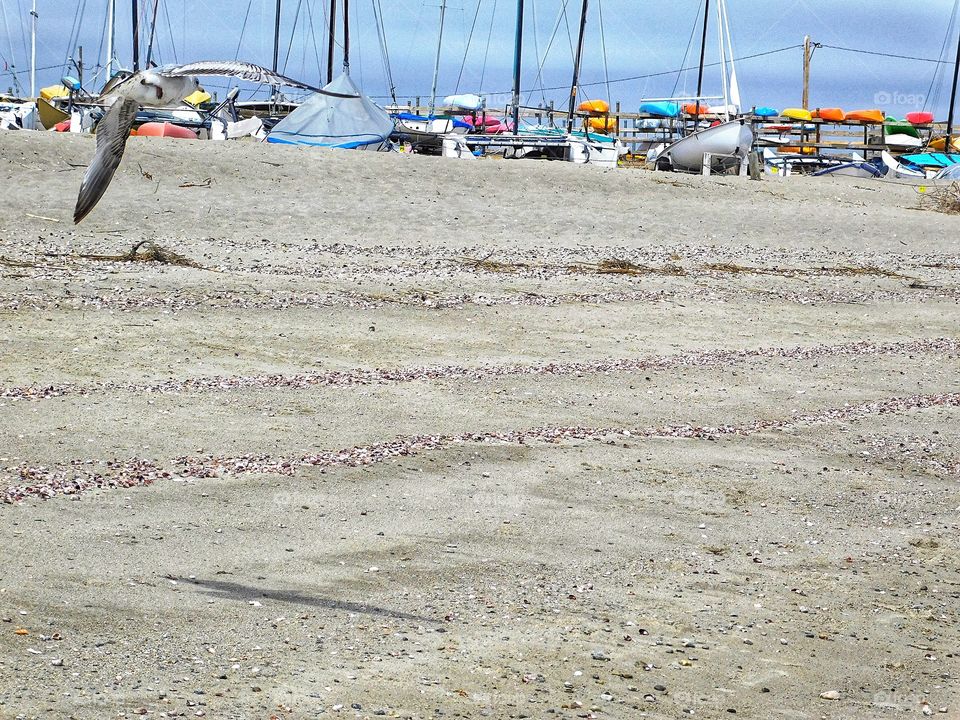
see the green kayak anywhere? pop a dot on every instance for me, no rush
(892, 126)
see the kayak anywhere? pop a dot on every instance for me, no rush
(892, 126)
(695, 109)
(766, 112)
(603, 125)
(165, 129)
(797, 114)
(936, 160)
(660, 109)
(830, 114)
(595, 107)
(870, 117)
(941, 142)
(920, 118)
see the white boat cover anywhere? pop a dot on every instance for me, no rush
(350, 122)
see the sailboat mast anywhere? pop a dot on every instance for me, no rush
(518, 46)
(332, 40)
(135, 26)
(703, 55)
(436, 67)
(108, 60)
(346, 36)
(953, 101)
(33, 50)
(576, 65)
(276, 36)
(723, 60)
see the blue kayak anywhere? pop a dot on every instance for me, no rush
(660, 109)
(766, 112)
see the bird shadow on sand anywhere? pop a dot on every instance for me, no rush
(248, 593)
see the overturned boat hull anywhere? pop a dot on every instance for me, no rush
(727, 143)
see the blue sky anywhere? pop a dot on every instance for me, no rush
(640, 39)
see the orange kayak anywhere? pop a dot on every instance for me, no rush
(603, 125)
(691, 109)
(595, 107)
(165, 129)
(830, 114)
(873, 117)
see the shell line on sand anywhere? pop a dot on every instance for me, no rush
(76, 478)
(430, 300)
(383, 376)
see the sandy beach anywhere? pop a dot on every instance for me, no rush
(391, 435)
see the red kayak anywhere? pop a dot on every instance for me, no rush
(165, 129)
(920, 118)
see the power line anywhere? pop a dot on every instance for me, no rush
(887, 55)
(656, 74)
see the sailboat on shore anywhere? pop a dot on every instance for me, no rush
(727, 143)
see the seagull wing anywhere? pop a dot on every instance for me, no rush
(116, 83)
(112, 133)
(244, 71)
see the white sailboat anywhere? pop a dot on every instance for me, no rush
(728, 143)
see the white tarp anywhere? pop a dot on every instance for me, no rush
(347, 119)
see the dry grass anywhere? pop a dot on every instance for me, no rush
(612, 266)
(625, 267)
(147, 251)
(10, 262)
(851, 270)
(617, 266)
(944, 200)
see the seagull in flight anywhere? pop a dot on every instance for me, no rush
(156, 87)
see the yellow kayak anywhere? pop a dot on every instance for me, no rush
(941, 142)
(797, 114)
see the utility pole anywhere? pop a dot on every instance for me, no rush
(807, 55)
(947, 148)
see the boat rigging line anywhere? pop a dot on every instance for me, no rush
(603, 50)
(153, 31)
(466, 51)
(385, 53)
(486, 52)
